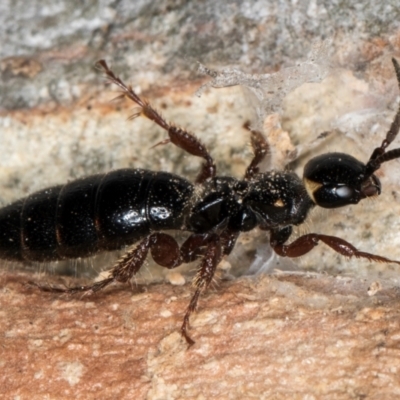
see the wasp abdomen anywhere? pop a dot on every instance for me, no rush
(100, 212)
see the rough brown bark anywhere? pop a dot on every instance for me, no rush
(281, 336)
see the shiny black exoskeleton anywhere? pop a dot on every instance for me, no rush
(135, 207)
(97, 213)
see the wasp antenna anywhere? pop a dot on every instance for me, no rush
(397, 70)
(395, 127)
(379, 155)
(101, 65)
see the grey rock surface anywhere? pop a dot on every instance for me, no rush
(56, 124)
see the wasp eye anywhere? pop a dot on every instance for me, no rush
(334, 196)
(345, 192)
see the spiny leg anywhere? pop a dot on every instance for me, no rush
(124, 269)
(196, 245)
(165, 252)
(205, 274)
(306, 243)
(212, 248)
(85, 288)
(179, 137)
(260, 148)
(228, 241)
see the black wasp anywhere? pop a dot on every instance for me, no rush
(135, 206)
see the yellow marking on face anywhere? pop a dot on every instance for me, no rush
(311, 187)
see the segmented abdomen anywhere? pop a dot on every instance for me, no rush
(100, 212)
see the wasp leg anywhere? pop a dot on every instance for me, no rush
(205, 274)
(178, 136)
(130, 263)
(196, 245)
(210, 247)
(306, 243)
(166, 252)
(260, 148)
(88, 289)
